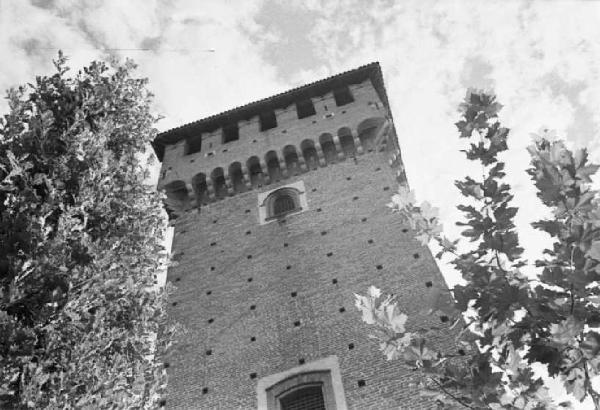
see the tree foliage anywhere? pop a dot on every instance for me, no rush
(509, 320)
(81, 238)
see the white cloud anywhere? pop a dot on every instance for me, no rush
(540, 57)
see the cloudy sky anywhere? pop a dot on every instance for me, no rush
(542, 59)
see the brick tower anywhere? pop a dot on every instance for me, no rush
(279, 209)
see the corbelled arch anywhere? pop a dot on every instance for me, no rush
(328, 147)
(200, 187)
(367, 131)
(309, 152)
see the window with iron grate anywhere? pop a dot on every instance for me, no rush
(304, 398)
(283, 204)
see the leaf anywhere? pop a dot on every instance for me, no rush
(594, 251)
(565, 331)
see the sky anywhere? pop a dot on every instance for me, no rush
(541, 59)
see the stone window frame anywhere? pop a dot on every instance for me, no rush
(325, 371)
(266, 201)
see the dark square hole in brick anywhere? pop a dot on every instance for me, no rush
(364, 220)
(370, 241)
(288, 267)
(249, 279)
(284, 131)
(404, 230)
(348, 178)
(342, 309)
(208, 352)
(329, 254)
(213, 243)
(247, 211)
(361, 383)
(205, 390)
(162, 403)
(174, 303)
(301, 361)
(294, 294)
(208, 292)
(386, 188)
(377, 169)
(416, 255)
(249, 256)
(252, 307)
(285, 245)
(297, 323)
(253, 339)
(253, 140)
(215, 221)
(212, 268)
(323, 232)
(334, 281)
(166, 365)
(429, 284)
(177, 279)
(314, 122)
(379, 267)
(350, 346)
(248, 232)
(211, 320)
(314, 190)
(355, 198)
(343, 111)
(319, 209)
(253, 375)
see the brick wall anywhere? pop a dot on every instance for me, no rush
(242, 264)
(258, 299)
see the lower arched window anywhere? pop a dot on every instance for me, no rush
(304, 398)
(311, 390)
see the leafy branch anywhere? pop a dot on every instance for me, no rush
(513, 320)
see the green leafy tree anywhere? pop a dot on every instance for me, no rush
(81, 238)
(506, 320)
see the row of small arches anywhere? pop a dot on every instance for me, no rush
(257, 172)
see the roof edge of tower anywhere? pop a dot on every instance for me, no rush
(314, 89)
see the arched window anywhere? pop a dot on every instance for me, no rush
(283, 204)
(305, 391)
(308, 397)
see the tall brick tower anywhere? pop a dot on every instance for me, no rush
(280, 215)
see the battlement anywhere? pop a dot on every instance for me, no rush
(276, 138)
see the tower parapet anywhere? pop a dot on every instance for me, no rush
(271, 140)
